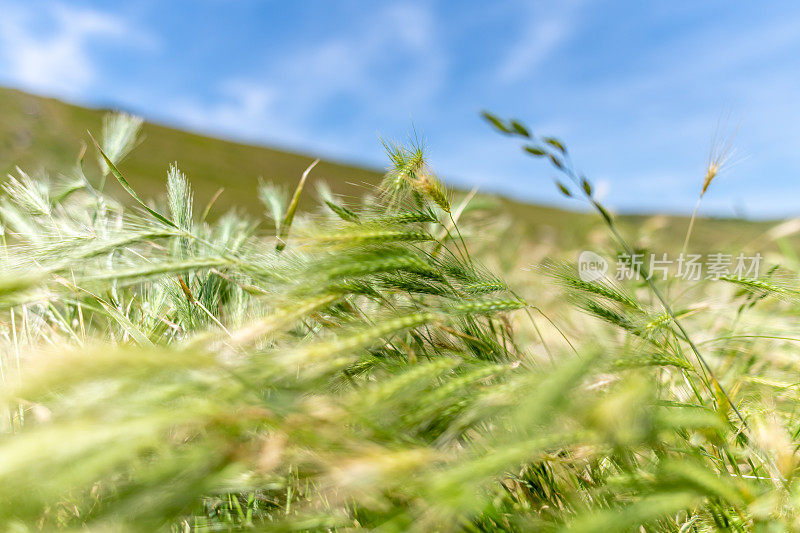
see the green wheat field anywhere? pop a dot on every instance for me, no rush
(205, 336)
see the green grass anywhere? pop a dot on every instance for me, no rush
(367, 365)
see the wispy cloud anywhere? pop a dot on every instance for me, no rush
(546, 27)
(385, 64)
(48, 47)
(242, 109)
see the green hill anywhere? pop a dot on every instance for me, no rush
(44, 134)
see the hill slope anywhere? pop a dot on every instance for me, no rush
(43, 133)
(40, 134)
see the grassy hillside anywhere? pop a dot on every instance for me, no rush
(39, 134)
(42, 133)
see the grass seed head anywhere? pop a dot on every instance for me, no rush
(720, 156)
(120, 136)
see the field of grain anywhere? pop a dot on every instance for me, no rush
(410, 359)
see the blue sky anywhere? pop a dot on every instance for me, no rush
(636, 89)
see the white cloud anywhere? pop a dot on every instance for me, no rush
(386, 64)
(241, 111)
(547, 27)
(56, 57)
(398, 38)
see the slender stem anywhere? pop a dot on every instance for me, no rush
(569, 171)
(691, 225)
(667, 308)
(464, 244)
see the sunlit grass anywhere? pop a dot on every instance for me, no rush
(359, 366)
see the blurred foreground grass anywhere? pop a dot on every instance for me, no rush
(372, 364)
